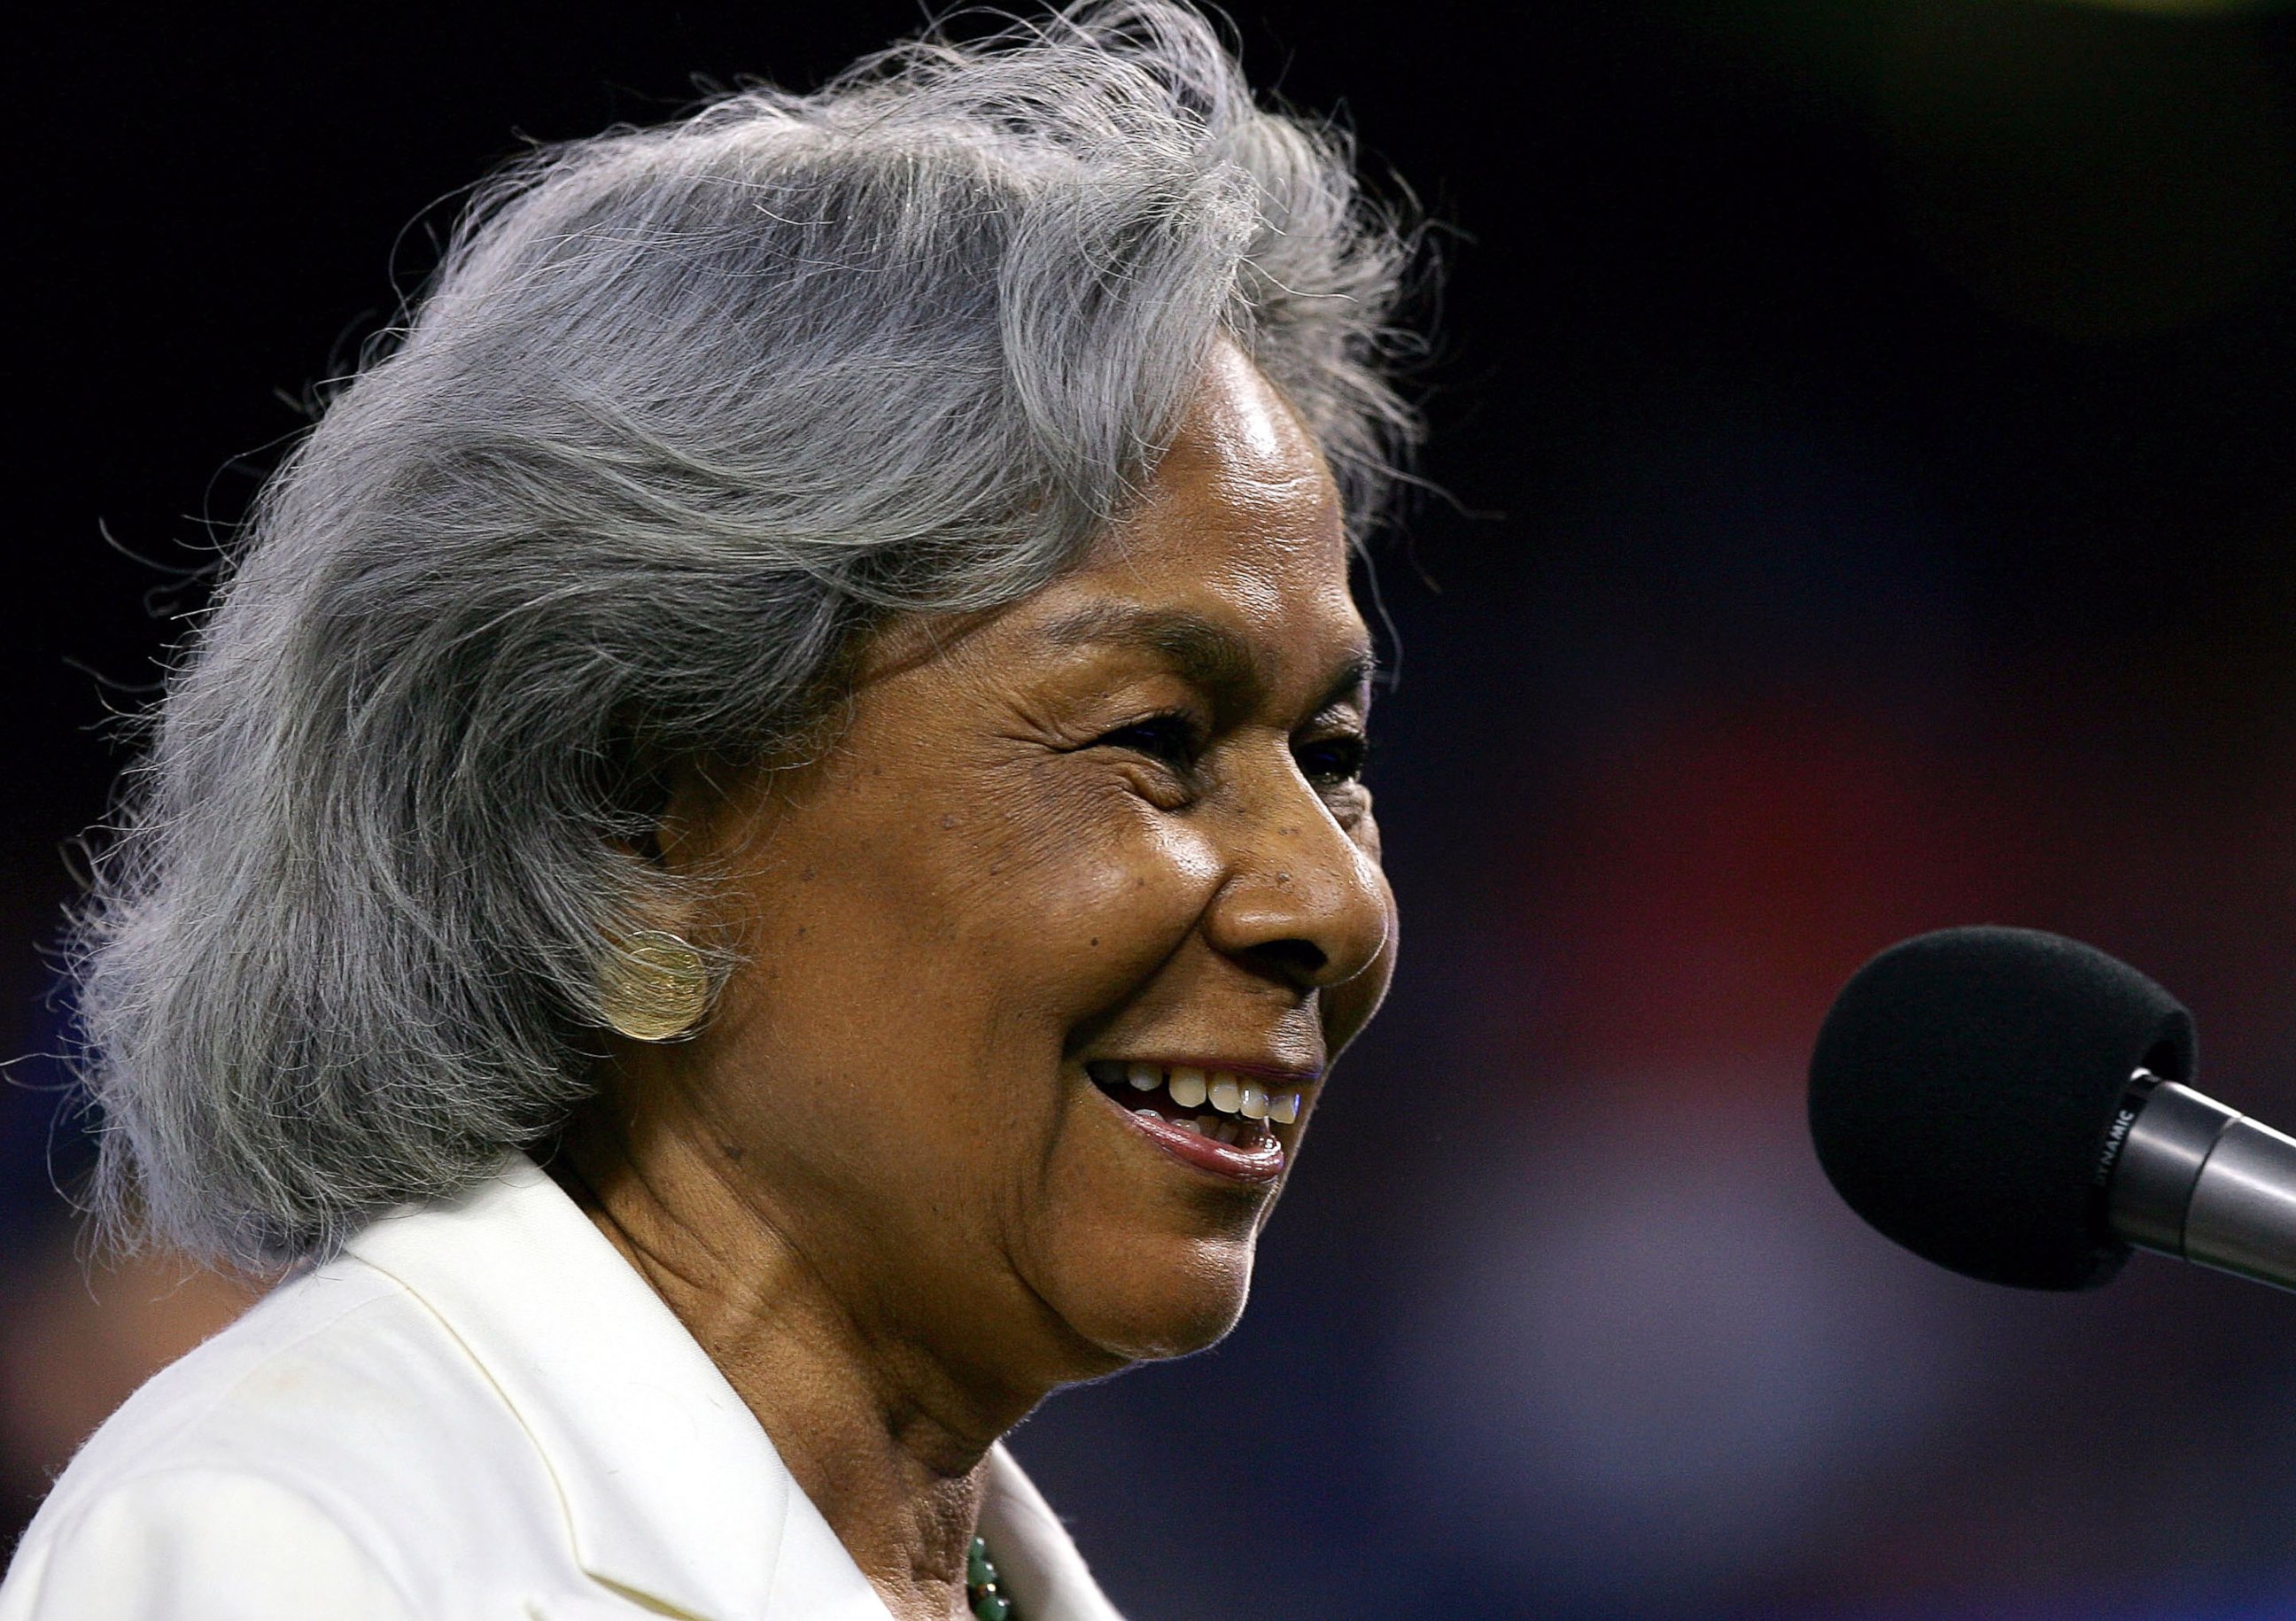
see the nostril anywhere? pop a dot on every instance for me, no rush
(1294, 959)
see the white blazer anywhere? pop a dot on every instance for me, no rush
(481, 1409)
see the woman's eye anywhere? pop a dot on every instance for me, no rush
(1331, 760)
(1169, 737)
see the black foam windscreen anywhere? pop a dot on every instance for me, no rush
(1964, 1090)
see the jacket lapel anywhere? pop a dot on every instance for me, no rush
(672, 1490)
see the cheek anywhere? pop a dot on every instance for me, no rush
(1096, 901)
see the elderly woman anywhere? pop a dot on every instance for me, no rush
(762, 860)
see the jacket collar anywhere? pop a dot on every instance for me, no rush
(671, 1487)
(1034, 1558)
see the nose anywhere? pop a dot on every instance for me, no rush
(1302, 901)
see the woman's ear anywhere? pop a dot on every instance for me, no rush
(656, 982)
(665, 810)
(693, 812)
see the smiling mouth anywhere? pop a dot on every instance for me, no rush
(1240, 1111)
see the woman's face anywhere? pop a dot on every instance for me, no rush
(1076, 875)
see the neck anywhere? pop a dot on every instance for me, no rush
(885, 1441)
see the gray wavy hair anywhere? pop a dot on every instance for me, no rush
(683, 412)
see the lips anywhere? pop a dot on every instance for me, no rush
(1220, 1119)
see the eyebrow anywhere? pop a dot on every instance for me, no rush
(1202, 653)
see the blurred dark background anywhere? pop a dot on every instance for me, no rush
(1865, 435)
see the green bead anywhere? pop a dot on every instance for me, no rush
(992, 1606)
(977, 1571)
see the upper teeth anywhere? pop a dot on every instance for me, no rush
(1224, 1090)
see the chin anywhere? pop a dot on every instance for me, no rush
(1167, 1311)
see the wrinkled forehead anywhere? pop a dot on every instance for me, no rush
(1236, 545)
(1239, 434)
(1238, 530)
(1241, 510)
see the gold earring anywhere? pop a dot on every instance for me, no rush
(655, 987)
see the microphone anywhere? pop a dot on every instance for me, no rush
(2016, 1106)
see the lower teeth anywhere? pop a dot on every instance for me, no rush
(1223, 1131)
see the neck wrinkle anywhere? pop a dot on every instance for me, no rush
(850, 1412)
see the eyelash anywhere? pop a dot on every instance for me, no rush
(1170, 737)
(1173, 738)
(1344, 755)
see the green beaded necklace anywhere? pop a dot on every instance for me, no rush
(980, 1589)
